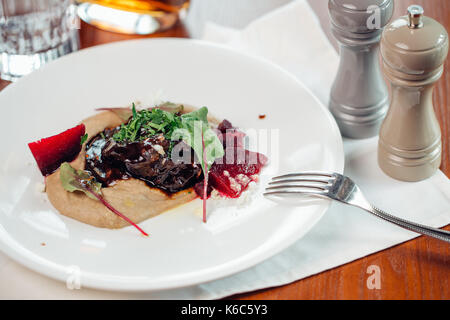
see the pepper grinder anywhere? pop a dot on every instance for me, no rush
(414, 49)
(359, 98)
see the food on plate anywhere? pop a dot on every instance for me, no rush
(51, 152)
(123, 165)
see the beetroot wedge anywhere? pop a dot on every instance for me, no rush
(232, 175)
(51, 152)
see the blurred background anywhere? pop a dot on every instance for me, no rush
(34, 32)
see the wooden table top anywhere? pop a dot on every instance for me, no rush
(417, 269)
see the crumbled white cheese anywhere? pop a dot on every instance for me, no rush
(242, 179)
(159, 149)
(234, 185)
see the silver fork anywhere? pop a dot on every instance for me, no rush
(341, 188)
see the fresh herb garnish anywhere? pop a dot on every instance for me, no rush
(147, 123)
(84, 139)
(79, 180)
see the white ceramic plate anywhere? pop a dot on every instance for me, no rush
(181, 250)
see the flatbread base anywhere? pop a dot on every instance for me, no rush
(132, 197)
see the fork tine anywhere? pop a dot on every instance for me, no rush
(308, 193)
(296, 187)
(303, 174)
(313, 184)
(325, 182)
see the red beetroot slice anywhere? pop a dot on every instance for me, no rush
(51, 152)
(232, 175)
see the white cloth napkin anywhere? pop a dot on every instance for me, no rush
(291, 37)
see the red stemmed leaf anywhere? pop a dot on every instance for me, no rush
(78, 180)
(106, 204)
(205, 182)
(50, 152)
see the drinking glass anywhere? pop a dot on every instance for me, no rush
(34, 32)
(133, 16)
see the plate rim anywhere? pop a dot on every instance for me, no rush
(91, 280)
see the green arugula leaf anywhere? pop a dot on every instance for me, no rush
(199, 115)
(196, 132)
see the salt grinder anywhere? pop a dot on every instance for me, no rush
(359, 97)
(414, 49)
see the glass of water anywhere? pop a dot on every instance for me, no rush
(34, 32)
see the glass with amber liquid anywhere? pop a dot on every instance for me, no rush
(132, 16)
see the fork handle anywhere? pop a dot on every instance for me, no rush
(419, 228)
